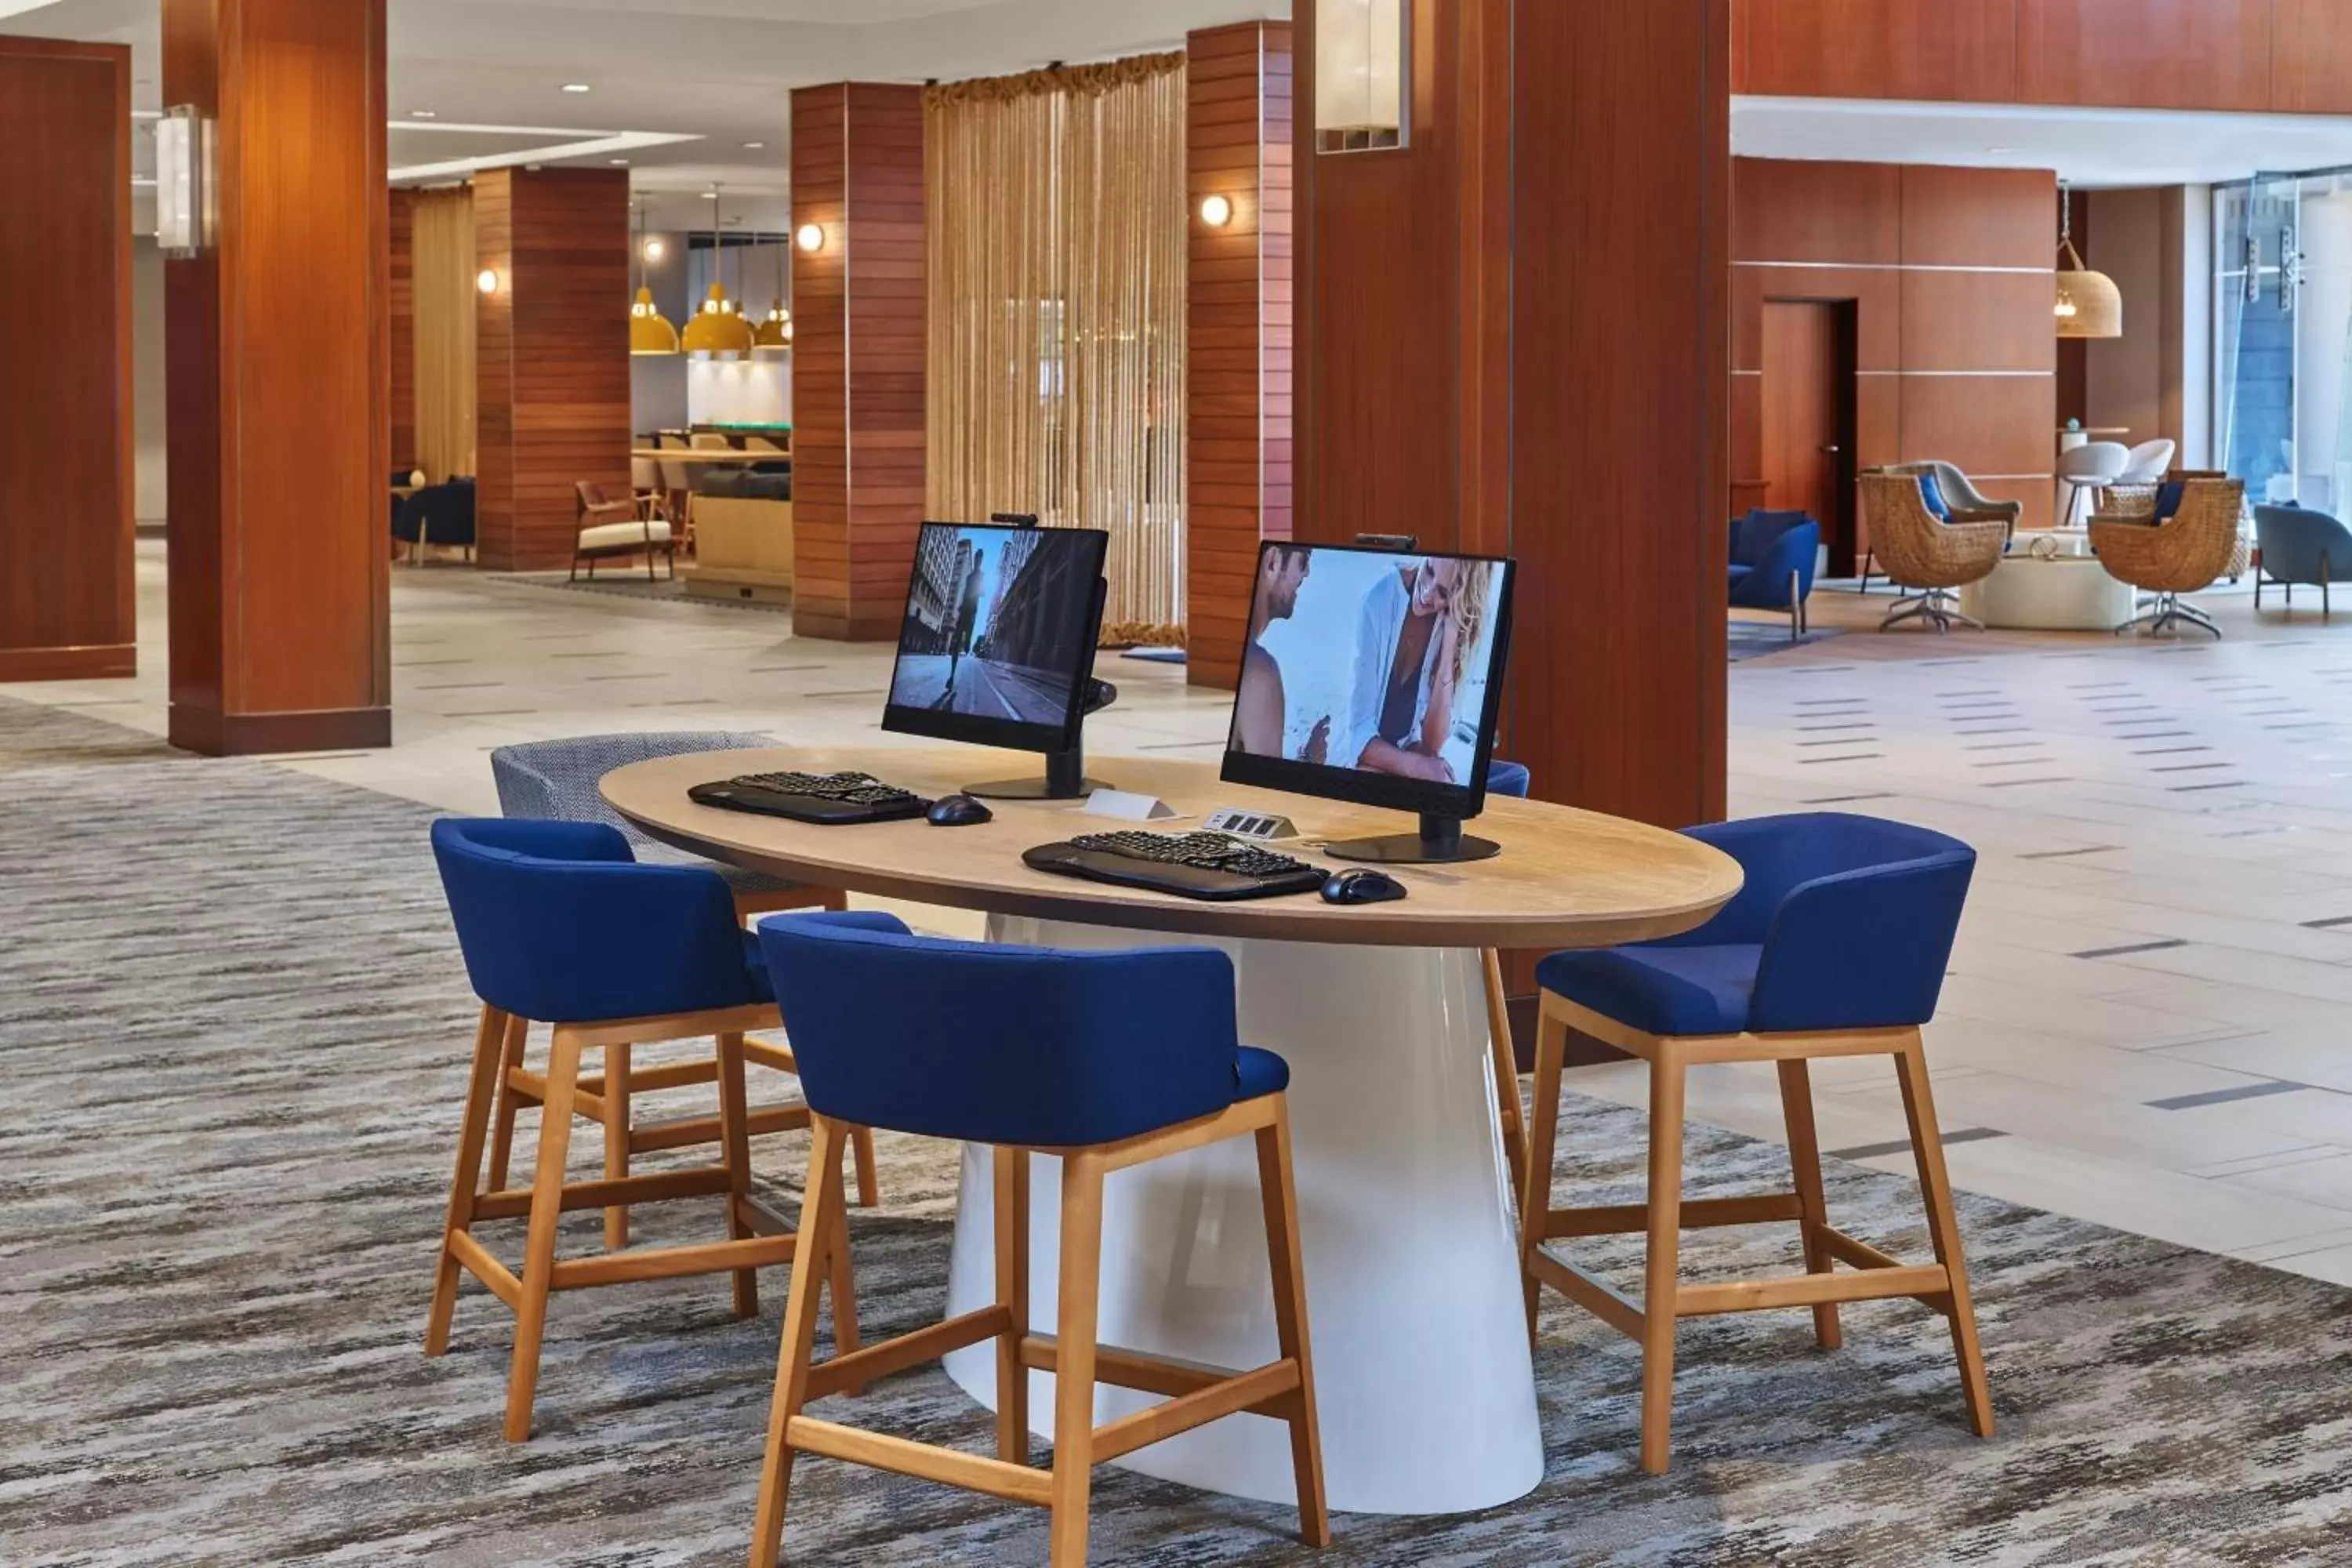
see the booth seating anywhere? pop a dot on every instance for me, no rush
(1104, 1059)
(1835, 946)
(558, 922)
(743, 535)
(555, 781)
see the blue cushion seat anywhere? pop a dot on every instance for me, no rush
(1768, 550)
(1027, 1047)
(1932, 494)
(1841, 922)
(2167, 500)
(1506, 778)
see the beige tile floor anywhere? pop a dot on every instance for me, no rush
(2148, 1022)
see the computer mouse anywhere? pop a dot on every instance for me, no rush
(957, 811)
(1362, 885)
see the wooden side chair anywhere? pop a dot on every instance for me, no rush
(556, 780)
(1104, 1059)
(612, 525)
(1835, 946)
(558, 922)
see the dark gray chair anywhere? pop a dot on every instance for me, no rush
(555, 781)
(2300, 544)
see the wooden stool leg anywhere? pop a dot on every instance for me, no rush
(1805, 1165)
(1944, 1228)
(1279, 1192)
(1074, 1356)
(861, 1154)
(1661, 1275)
(538, 1250)
(1012, 1294)
(502, 1139)
(1543, 1131)
(616, 1140)
(490, 1038)
(735, 1151)
(839, 1280)
(1507, 1070)
(818, 1221)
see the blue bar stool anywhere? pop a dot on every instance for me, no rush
(1106, 1059)
(1836, 946)
(558, 923)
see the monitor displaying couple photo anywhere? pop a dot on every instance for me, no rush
(1372, 674)
(997, 644)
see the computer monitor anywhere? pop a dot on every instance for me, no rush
(1374, 674)
(998, 646)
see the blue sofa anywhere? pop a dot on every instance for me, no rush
(2300, 545)
(1772, 555)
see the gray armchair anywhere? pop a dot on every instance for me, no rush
(2300, 545)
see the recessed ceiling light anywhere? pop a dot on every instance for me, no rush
(754, 146)
(1998, 151)
(711, 196)
(423, 114)
(623, 162)
(575, 87)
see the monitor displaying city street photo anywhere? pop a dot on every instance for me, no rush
(1371, 675)
(998, 642)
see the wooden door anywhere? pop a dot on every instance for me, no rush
(1807, 393)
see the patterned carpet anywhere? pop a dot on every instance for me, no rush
(232, 1037)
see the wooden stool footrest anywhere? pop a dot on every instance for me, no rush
(863, 1367)
(680, 1131)
(1129, 1369)
(1812, 1289)
(1261, 1389)
(974, 1472)
(1698, 1213)
(670, 1262)
(695, 1182)
(760, 1218)
(485, 1268)
(1590, 1291)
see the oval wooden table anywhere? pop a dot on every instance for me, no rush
(1424, 1382)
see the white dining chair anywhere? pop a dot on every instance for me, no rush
(2085, 472)
(2148, 463)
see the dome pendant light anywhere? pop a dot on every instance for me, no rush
(649, 331)
(2089, 304)
(775, 335)
(717, 330)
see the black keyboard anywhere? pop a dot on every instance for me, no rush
(1194, 865)
(828, 798)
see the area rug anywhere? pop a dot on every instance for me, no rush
(233, 1031)
(1754, 639)
(622, 584)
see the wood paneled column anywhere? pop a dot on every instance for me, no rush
(857, 356)
(550, 357)
(1237, 430)
(401, 272)
(278, 383)
(66, 596)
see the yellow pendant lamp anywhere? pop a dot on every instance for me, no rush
(649, 331)
(2089, 305)
(774, 333)
(717, 330)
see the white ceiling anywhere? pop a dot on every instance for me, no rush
(2090, 147)
(712, 74)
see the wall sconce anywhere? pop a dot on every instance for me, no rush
(183, 199)
(487, 280)
(809, 237)
(1216, 211)
(1362, 79)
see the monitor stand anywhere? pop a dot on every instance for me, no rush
(1441, 839)
(1066, 779)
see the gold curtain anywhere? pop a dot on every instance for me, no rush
(443, 262)
(1055, 234)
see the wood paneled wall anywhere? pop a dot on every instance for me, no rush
(2288, 55)
(1950, 273)
(66, 596)
(857, 356)
(1237, 421)
(276, 350)
(400, 240)
(551, 357)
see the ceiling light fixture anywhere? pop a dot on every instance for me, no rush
(2089, 305)
(618, 163)
(809, 238)
(774, 333)
(575, 87)
(423, 114)
(717, 330)
(649, 331)
(1216, 211)
(754, 146)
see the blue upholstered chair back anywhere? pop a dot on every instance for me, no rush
(1773, 547)
(555, 781)
(560, 924)
(1856, 916)
(997, 1043)
(1506, 778)
(439, 514)
(2293, 541)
